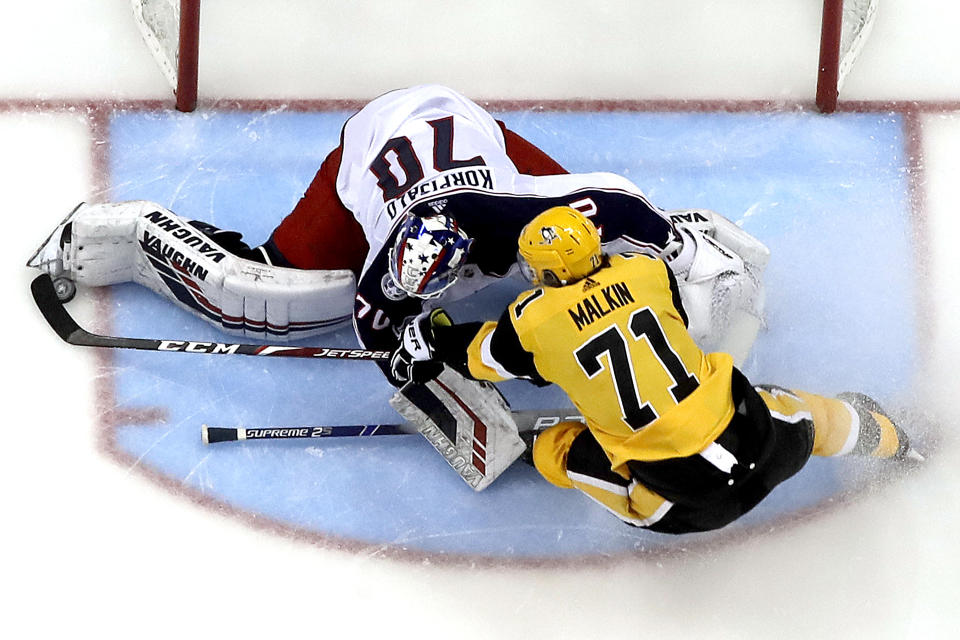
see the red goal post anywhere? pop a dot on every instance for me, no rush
(845, 26)
(171, 30)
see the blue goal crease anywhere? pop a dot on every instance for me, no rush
(827, 195)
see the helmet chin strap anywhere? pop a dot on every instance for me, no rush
(550, 279)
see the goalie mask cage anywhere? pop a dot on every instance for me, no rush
(171, 30)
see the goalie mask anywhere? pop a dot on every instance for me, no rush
(427, 255)
(558, 247)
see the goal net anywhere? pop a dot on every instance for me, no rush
(170, 29)
(845, 27)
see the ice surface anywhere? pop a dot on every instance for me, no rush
(122, 523)
(244, 170)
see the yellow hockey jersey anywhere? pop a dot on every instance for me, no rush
(616, 343)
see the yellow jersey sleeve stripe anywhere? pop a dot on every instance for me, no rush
(480, 362)
(488, 359)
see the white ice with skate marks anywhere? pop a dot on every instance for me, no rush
(90, 545)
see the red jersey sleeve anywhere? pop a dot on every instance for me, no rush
(527, 157)
(320, 233)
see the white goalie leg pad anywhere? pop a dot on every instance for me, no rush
(238, 296)
(725, 312)
(467, 422)
(719, 269)
(95, 245)
(752, 251)
(143, 242)
(729, 235)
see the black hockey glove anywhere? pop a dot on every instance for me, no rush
(415, 359)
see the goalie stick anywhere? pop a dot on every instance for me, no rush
(57, 316)
(533, 420)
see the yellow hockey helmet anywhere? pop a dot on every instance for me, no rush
(558, 247)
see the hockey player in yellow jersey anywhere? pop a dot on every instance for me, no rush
(673, 439)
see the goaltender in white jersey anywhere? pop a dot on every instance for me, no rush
(411, 153)
(423, 199)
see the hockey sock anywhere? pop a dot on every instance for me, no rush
(849, 424)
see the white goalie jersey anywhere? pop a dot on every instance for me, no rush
(428, 149)
(403, 139)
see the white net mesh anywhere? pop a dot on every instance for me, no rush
(858, 18)
(159, 23)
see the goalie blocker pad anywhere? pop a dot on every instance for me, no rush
(141, 241)
(467, 422)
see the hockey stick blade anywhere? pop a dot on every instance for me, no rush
(45, 296)
(60, 320)
(527, 420)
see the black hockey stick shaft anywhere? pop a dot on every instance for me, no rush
(57, 316)
(211, 434)
(527, 420)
